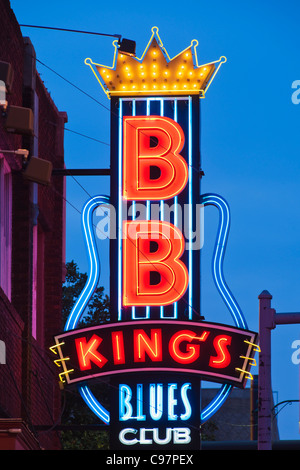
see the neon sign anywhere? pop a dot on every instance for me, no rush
(158, 346)
(211, 351)
(155, 73)
(156, 405)
(156, 414)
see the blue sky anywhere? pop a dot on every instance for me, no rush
(249, 139)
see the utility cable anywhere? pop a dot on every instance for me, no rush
(71, 30)
(86, 136)
(73, 85)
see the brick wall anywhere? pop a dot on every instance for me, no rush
(11, 50)
(232, 422)
(51, 209)
(28, 382)
(11, 328)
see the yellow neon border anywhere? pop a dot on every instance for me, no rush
(154, 30)
(62, 360)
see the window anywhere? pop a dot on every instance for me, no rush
(2, 353)
(38, 286)
(5, 226)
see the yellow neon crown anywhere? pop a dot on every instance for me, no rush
(155, 73)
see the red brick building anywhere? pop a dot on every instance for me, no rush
(32, 228)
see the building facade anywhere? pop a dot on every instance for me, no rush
(237, 420)
(32, 244)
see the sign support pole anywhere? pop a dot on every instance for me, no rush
(266, 324)
(268, 319)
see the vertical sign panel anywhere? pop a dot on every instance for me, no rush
(183, 210)
(136, 420)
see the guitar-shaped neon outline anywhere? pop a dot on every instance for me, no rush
(94, 276)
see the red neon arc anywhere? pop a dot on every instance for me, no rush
(139, 156)
(139, 262)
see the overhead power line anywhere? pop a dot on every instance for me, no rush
(73, 85)
(87, 137)
(71, 30)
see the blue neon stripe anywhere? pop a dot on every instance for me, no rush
(175, 307)
(133, 316)
(226, 294)
(218, 257)
(148, 208)
(190, 213)
(162, 203)
(120, 207)
(93, 404)
(94, 263)
(216, 403)
(88, 291)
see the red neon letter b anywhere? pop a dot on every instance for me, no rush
(152, 271)
(152, 166)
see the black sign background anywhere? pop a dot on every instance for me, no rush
(238, 350)
(193, 423)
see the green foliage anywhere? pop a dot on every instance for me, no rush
(75, 411)
(208, 431)
(98, 308)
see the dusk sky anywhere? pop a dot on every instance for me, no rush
(250, 145)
